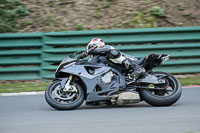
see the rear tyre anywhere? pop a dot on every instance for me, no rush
(166, 97)
(58, 99)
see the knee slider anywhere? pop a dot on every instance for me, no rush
(113, 54)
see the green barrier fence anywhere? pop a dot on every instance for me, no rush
(28, 56)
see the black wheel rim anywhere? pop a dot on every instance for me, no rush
(61, 97)
(170, 86)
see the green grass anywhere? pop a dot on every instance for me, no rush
(10, 12)
(23, 87)
(41, 86)
(190, 81)
(79, 27)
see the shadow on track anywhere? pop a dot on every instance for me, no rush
(108, 107)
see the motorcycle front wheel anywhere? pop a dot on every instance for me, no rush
(166, 97)
(59, 99)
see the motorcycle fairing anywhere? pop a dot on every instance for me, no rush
(92, 81)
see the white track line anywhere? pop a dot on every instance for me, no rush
(22, 93)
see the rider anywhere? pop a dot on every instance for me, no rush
(97, 46)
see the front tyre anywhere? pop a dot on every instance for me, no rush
(166, 97)
(62, 100)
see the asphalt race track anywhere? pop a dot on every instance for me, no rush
(31, 114)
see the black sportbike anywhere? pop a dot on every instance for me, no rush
(98, 81)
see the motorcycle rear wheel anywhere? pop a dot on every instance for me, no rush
(163, 97)
(60, 100)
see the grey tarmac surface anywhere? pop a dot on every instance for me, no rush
(31, 114)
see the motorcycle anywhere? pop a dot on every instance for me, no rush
(98, 81)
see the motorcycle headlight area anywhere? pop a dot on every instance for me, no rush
(63, 61)
(107, 77)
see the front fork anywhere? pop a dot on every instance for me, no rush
(65, 83)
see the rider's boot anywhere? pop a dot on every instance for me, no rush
(137, 70)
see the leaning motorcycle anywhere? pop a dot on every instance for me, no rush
(98, 81)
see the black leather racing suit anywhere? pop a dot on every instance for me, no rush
(117, 57)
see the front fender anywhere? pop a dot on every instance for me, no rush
(62, 81)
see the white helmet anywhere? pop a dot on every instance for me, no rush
(95, 43)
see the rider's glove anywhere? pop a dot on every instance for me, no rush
(91, 52)
(83, 55)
